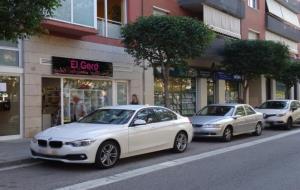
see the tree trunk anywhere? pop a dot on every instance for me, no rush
(245, 91)
(166, 77)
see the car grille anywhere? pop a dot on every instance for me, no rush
(269, 115)
(42, 143)
(197, 125)
(55, 144)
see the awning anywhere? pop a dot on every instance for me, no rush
(279, 10)
(222, 22)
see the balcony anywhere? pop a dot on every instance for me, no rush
(235, 8)
(113, 28)
(282, 28)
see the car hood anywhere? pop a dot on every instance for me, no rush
(210, 119)
(76, 131)
(271, 111)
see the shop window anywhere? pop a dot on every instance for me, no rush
(122, 95)
(77, 12)
(232, 91)
(82, 97)
(280, 90)
(9, 105)
(9, 54)
(110, 17)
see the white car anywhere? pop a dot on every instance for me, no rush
(280, 112)
(110, 133)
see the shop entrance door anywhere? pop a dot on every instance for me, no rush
(51, 109)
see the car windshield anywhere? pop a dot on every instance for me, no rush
(108, 116)
(216, 111)
(274, 105)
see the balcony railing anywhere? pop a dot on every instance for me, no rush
(113, 28)
(282, 28)
(235, 8)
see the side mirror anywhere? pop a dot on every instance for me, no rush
(139, 122)
(294, 108)
(236, 116)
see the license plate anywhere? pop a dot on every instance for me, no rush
(47, 151)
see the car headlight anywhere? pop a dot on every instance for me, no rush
(212, 126)
(280, 114)
(78, 143)
(34, 140)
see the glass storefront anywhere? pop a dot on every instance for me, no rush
(182, 94)
(232, 91)
(9, 105)
(82, 96)
(280, 90)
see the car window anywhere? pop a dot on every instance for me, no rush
(164, 114)
(293, 105)
(298, 104)
(146, 115)
(274, 105)
(213, 110)
(249, 110)
(240, 111)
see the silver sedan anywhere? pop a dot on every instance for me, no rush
(226, 121)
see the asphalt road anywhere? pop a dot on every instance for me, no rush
(245, 163)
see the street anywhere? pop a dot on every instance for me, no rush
(273, 164)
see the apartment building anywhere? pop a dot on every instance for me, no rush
(81, 65)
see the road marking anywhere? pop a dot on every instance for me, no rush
(19, 166)
(145, 170)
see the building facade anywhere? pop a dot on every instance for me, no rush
(81, 65)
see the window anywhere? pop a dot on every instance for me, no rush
(240, 111)
(122, 93)
(77, 12)
(253, 4)
(253, 35)
(159, 12)
(249, 110)
(9, 54)
(164, 115)
(111, 15)
(147, 115)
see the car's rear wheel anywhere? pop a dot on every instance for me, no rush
(181, 142)
(289, 124)
(107, 155)
(227, 134)
(258, 129)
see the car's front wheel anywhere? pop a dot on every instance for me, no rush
(181, 142)
(289, 124)
(258, 129)
(227, 134)
(107, 155)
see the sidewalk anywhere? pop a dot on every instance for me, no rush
(14, 152)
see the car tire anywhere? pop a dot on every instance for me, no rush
(289, 124)
(107, 155)
(227, 134)
(258, 129)
(180, 142)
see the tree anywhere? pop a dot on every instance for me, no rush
(22, 18)
(252, 58)
(166, 41)
(289, 76)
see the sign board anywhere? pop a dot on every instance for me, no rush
(223, 76)
(70, 66)
(3, 87)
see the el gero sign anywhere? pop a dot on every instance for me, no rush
(70, 66)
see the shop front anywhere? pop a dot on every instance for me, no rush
(232, 86)
(76, 90)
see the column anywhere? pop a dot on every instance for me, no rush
(220, 92)
(201, 93)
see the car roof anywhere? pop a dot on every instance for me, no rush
(131, 107)
(283, 100)
(230, 104)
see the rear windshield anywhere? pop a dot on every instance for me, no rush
(274, 105)
(216, 111)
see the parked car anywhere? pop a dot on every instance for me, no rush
(110, 133)
(226, 121)
(280, 112)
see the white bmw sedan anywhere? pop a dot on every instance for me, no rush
(110, 133)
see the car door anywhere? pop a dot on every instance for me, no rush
(295, 111)
(251, 118)
(143, 137)
(165, 128)
(240, 123)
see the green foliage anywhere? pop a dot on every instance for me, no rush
(290, 75)
(22, 18)
(252, 58)
(166, 39)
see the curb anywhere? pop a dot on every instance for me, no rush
(17, 162)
